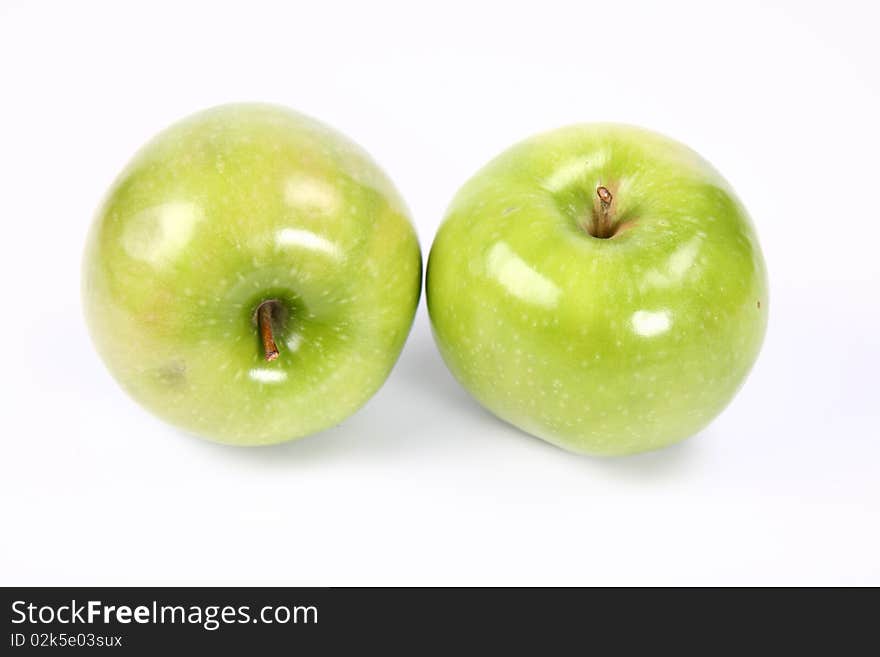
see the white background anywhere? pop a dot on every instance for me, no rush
(422, 486)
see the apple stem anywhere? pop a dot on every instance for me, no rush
(264, 319)
(604, 227)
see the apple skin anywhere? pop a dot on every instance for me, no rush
(600, 346)
(229, 208)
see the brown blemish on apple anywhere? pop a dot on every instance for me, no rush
(759, 304)
(172, 374)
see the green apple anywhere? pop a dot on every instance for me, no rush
(251, 276)
(600, 287)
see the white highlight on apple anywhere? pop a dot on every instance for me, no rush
(306, 239)
(265, 375)
(678, 264)
(649, 323)
(159, 233)
(518, 278)
(313, 193)
(294, 341)
(574, 172)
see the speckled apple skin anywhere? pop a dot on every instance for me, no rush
(224, 210)
(600, 346)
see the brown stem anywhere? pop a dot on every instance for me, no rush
(264, 319)
(604, 226)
